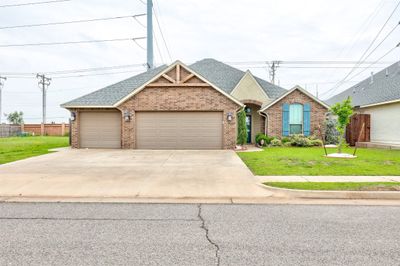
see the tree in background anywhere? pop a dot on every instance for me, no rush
(242, 130)
(15, 118)
(343, 111)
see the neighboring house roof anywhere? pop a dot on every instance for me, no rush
(226, 77)
(383, 87)
(221, 76)
(268, 105)
(112, 94)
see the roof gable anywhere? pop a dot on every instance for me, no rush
(249, 89)
(177, 75)
(227, 77)
(296, 88)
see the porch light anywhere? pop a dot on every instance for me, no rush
(73, 116)
(229, 116)
(127, 116)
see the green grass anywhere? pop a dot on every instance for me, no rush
(350, 186)
(17, 148)
(311, 161)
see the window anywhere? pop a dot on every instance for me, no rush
(295, 119)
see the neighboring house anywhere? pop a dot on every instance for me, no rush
(378, 96)
(189, 107)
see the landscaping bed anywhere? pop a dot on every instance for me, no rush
(292, 161)
(17, 148)
(338, 186)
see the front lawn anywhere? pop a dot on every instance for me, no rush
(349, 186)
(311, 161)
(17, 148)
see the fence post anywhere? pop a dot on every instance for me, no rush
(42, 129)
(22, 128)
(62, 129)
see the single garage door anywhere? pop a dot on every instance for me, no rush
(179, 130)
(100, 129)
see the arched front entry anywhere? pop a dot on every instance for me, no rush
(254, 122)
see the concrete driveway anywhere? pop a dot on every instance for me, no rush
(130, 173)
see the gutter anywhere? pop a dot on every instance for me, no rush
(266, 121)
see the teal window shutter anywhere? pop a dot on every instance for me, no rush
(285, 119)
(307, 119)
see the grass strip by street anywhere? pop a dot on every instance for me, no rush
(297, 161)
(17, 148)
(338, 186)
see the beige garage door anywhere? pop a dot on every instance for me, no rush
(179, 130)
(100, 129)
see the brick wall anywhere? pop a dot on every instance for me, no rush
(179, 99)
(275, 112)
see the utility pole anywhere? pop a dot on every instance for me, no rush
(150, 63)
(272, 72)
(43, 83)
(2, 80)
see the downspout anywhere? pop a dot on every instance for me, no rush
(266, 122)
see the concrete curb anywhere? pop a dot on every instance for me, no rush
(321, 194)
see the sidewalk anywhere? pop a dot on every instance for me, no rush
(263, 179)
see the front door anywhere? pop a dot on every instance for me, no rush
(248, 127)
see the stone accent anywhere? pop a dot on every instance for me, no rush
(274, 113)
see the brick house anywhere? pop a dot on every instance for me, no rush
(184, 107)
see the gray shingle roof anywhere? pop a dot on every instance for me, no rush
(385, 87)
(226, 77)
(222, 75)
(110, 95)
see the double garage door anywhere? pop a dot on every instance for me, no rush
(154, 130)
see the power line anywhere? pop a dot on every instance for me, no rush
(370, 45)
(70, 22)
(161, 32)
(35, 3)
(71, 42)
(373, 63)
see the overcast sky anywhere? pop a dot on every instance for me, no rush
(227, 30)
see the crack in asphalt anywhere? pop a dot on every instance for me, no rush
(204, 227)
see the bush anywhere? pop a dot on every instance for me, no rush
(261, 136)
(285, 140)
(316, 142)
(276, 142)
(331, 133)
(242, 130)
(300, 141)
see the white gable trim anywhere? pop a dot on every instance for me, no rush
(166, 71)
(381, 103)
(251, 75)
(289, 92)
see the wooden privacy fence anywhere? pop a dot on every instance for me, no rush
(46, 129)
(359, 129)
(9, 130)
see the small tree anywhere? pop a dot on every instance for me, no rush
(15, 118)
(242, 130)
(343, 110)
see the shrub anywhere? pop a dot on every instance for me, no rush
(276, 142)
(300, 141)
(242, 131)
(285, 140)
(316, 142)
(331, 133)
(261, 136)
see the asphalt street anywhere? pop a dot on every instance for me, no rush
(193, 234)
